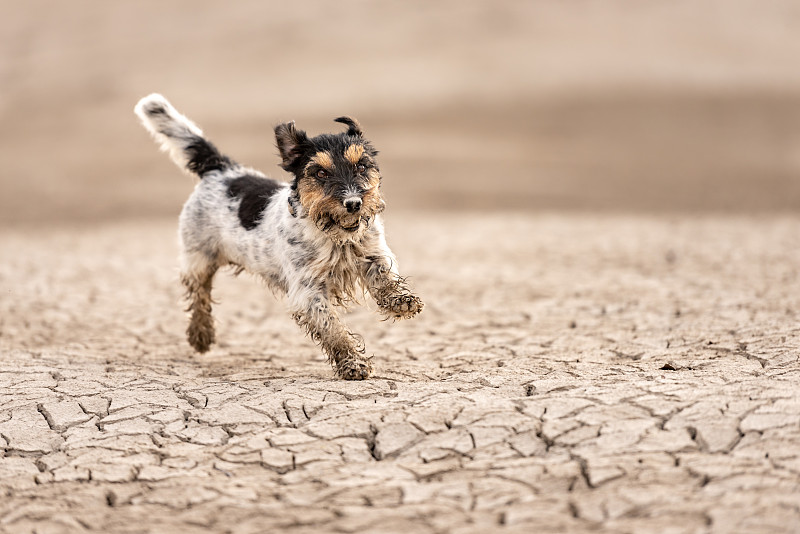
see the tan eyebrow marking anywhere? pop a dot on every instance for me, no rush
(323, 159)
(353, 153)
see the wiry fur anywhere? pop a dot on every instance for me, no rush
(318, 240)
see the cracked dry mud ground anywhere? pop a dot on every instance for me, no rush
(569, 373)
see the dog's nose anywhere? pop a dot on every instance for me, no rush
(352, 204)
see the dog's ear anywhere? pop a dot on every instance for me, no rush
(354, 128)
(291, 144)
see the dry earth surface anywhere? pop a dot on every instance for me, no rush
(569, 373)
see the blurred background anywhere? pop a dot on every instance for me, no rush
(623, 105)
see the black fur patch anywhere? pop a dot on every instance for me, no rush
(204, 157)
(353, 127)
(254, 193)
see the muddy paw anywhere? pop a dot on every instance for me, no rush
(404, 306)
(355, 368)
(200, 335)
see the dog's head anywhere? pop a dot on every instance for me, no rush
(337, 181)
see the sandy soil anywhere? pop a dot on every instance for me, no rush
(622, 373)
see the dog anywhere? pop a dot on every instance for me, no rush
(318, 240)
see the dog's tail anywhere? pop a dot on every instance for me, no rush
(180, 137)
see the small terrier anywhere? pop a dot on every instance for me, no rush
(319, 240)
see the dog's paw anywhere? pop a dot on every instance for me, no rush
(354, 368)
(200, 335)
(402, 306)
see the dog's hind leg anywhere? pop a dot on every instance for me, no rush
(197, 275)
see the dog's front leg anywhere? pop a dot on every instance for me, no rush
(388, 288)
(344, 349)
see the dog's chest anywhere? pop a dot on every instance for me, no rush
(338, 268)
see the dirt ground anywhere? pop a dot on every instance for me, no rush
(598, 202)
(569, 373)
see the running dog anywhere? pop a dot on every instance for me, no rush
(319, 240)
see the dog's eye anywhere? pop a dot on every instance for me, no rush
(361, 168)
(322, 174)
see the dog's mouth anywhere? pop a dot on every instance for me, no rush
(344, 225)
(354, 226)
